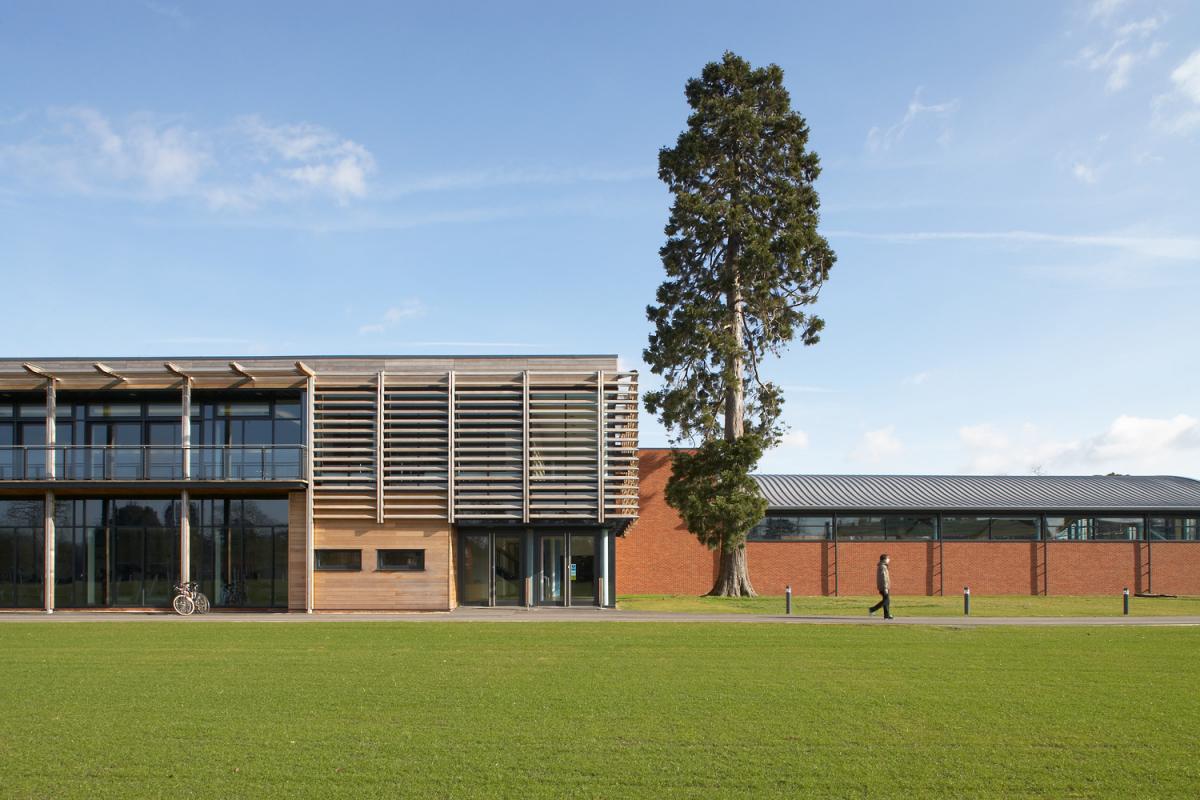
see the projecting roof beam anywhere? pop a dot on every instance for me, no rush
(240, 370)
(176, 369)
(37, 371)
(104, 369)
(305, 370)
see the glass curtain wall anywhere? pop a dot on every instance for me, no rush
(136, 435)
(22, 436)
(246, 436)
(22, 554)
(886, 527)
(239, 551)
(116, 553)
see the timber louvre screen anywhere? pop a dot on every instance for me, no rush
(345, 483)
(516, 447)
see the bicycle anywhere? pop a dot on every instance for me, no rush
(189, 599)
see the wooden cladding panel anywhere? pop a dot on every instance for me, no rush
(373, 590)
(297, 558)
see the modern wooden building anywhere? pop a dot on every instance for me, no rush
(315, 483)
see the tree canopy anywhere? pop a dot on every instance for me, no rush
(744, 263)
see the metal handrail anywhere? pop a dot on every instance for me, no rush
(135, 462)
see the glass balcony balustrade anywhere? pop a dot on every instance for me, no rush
(153, 463)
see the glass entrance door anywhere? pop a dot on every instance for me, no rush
(583, 569)
(475, 569)
(554, 564)
(490, 569)
(568, 569)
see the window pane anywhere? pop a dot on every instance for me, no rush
(339, 560)
(1015, 528)
(164, 409)
(1177, 529)
(778, 528)
(115, 410)
(1068, 528)
(910, 528)
(1118, 528)
(400, 560)
(968, 528)
(860, 528)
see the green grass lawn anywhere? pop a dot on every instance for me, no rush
(377, 709)
(919, 606)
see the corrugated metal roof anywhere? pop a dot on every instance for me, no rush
(980, 493)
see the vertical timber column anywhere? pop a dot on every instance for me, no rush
(525, 446)
(185, 539)
(310, 405)
(450, 447)
(600, 454)
(51, 427)
(379, 463)
(48, 500)
(48, 541)
(185, 422)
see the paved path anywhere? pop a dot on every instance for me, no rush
(579, 615)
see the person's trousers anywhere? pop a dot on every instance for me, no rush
(885, 604)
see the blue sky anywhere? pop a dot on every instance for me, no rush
(1011, 189)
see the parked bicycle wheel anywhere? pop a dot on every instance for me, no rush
(202, 604)
(183, 605)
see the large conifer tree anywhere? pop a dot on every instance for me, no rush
(744, 262)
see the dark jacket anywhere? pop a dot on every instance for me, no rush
(883, 581)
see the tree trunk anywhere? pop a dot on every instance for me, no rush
(733, 579)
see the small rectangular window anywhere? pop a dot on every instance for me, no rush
(338, 560)
(400, 560)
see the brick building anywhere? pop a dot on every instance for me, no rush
(1032, 535)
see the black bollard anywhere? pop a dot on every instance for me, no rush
(788, 596)
(966, 601)
(1127, 601)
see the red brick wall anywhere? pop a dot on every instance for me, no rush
(912, 567)
(806, 566)
(1092, 567)
(658, 555)
(993, 567)
(1175, 567)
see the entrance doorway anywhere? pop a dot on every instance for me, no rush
(490, 571)
(567, 568)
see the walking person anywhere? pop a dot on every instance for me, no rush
(883, 582)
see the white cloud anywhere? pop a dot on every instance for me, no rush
(1178, 111)
(1103, 9)
(878, 446)
(883, 139)
(151, 157)
(1085, 173)
(1128, 445)
(393, 316)
(916, 380)
(1180, 248)
(1124, 47)
(795, 438)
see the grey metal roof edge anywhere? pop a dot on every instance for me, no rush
(244, 357)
